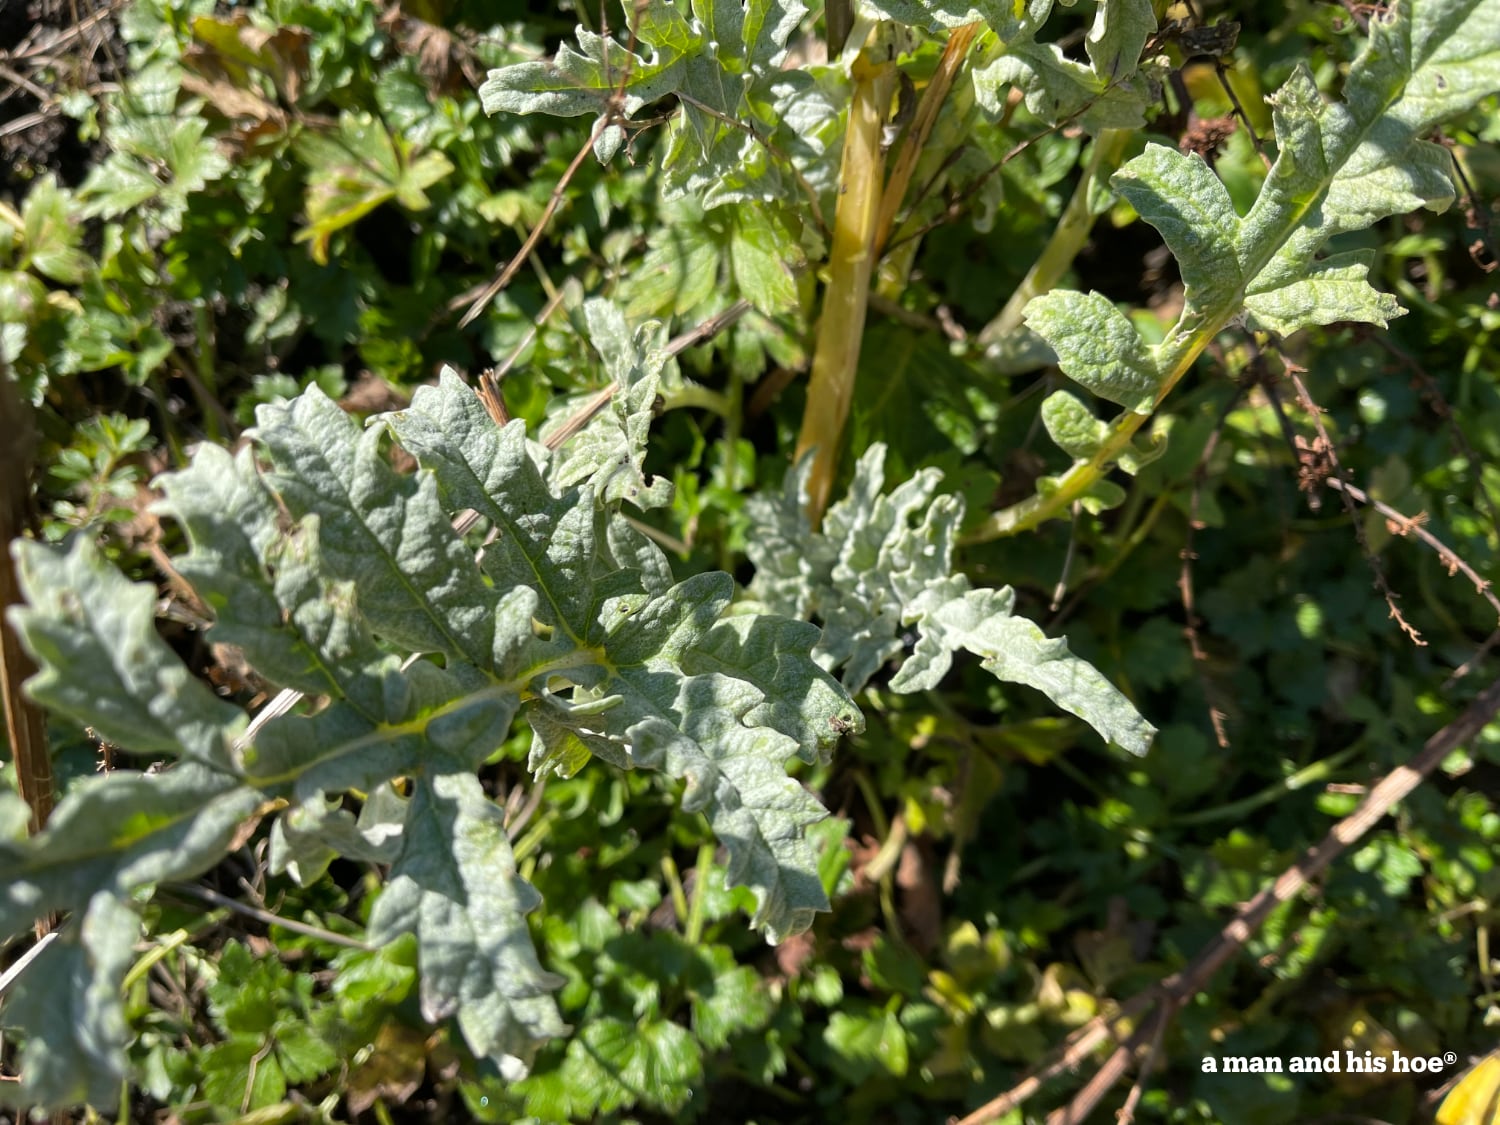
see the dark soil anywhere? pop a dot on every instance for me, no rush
(46, 58)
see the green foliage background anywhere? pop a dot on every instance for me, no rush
(315, 203)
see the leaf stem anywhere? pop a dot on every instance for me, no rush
(1318, 771)
(702, 870)
(915, 141)
(1068, 239)
(1177, 354)
(705, 398)
(534, 836)
(674, 887)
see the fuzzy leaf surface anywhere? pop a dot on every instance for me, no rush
(950, 617)
(1011, 20)
(1097, 346)
(613, 445)
(68, 1000)
(720, 61)
(121, 832)
(102, 662)
(1183, 199)
(268, 587)
(1341, 165)
(884, 562)
(327, 568)
(455, 886)
(1058, 89)
(1334, 289)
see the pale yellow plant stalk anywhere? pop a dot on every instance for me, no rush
(915, 141)
(851, 264)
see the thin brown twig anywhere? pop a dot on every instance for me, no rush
(489, 381)
(1335, 473)
(1177, 988)
(19, 81)
(1404, 525)
(1239, 111)
(708, 329)
(116, 63)
(693, 336)
(27, 120)
(955, 208)
(487, 293)
(1438, 403)
(1474, 661)
(611, 117)
(1185, 575)
(1126, 1112)
(955, 52)
(66, 36)
(25, 724)
(1103, 1080)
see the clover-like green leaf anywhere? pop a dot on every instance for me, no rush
(357, 168)
(51, 233)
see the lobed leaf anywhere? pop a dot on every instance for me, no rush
(884, 562)
(718, 63)
(356, 169)
(613, 446)
(1334, 289)
(68, 1001)
(120, 833)
(1058, 89)
(574, 613)
(949, 617)
(455, 886)
(417, 583)
(1011, 20)
(1182, 198)
(268, 586)
(1339, 167)
(102, 663)
(312, 834)
(720, 707)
